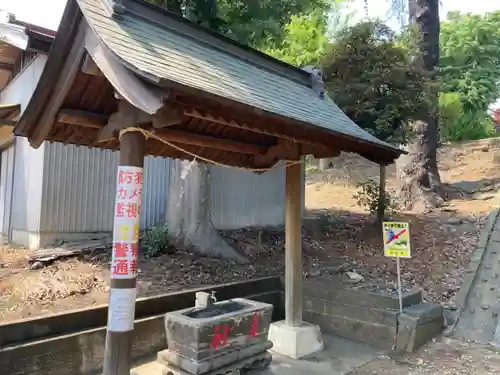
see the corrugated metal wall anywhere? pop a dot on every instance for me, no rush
(79, 189)
(79, 185)
(239, 198)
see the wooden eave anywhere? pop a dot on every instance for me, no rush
(72, 106)
(9, 113)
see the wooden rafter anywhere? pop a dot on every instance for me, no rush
(284, 147)
(205, 115)
(97, 121)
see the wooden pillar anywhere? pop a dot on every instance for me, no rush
(122, 293)
(293, 246)
(381, 197)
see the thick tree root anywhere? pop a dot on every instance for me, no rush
(188, 213)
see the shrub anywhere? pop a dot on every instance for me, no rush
(470, 127)
(450, 112)
(368, 197)
(155, 241)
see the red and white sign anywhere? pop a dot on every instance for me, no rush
(126, 223)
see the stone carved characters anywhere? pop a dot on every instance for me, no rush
(317, 81)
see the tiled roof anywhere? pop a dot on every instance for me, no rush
(165, 53)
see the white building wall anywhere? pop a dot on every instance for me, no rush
(27, 162)
(6, 182)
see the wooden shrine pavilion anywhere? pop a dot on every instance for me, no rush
(181, 91)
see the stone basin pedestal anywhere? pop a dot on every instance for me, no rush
(223, 338)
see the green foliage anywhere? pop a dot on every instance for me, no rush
(450, 112)
(261, 23)
(255, 23)
(304, 41)
(457, 125)
(470, 58)
(155, 241)
(471, 126)
(369, 197)
(370, 76)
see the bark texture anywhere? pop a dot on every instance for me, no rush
(188, 213)
(420, 183)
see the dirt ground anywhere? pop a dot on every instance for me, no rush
(445, 356)
(338, 236)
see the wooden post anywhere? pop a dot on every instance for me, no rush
(293, 246)
(381, 197)
(122, 293)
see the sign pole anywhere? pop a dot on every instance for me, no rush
(397, 244)
(400, 292)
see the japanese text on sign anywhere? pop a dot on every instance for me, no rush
(396, 239)
(126, 225)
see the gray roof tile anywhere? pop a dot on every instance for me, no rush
(164, 53)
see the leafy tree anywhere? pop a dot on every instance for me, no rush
(450, 112)
(418, 172)
(372, 80)
(470, 58)
(254, 23)
(304, 41)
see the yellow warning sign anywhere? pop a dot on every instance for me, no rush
(396, 239)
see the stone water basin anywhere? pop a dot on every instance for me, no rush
(203, 339)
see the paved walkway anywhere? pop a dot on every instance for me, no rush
(479, 299)
(340, 357)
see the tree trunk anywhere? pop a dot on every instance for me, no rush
(188, 213)
(418, 171)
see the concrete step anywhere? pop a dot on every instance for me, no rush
(379, 335)
(385, 329)
(371, 315)
(324, 288)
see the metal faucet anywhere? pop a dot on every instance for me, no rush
(204, 299)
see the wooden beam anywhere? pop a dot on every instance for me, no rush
(211, 142)
(6, 67)
(60, 89)
(98, 121)
(308, 147)
(191, 112)
(8, 123)
(319, 151)
(283, 150)
(82, 118)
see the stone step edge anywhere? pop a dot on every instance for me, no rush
(386, 314)
(385, 301)
(380, 341)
